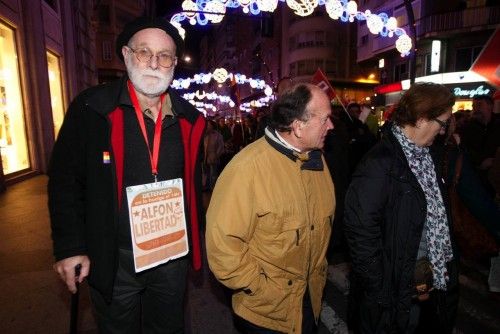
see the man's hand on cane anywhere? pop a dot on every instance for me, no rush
(66, 270)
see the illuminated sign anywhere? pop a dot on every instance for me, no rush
(435, 55)
(381, 63)
(470, 93)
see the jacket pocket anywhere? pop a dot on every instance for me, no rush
(278, 240)
(271, 299)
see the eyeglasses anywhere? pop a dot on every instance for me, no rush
(444, 124)
(144, 55)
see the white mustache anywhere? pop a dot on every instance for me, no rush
(151, 74)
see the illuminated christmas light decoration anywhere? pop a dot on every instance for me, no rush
(267, 5)
(334, 9)
(245, 4)
(223, 99)
(221, 75)
(374, 23)
(190, 9)
(215, 6)
(302, 7)
(403, 45)
(213, 11)
(391, 25)
(181, 30)
(352, 10)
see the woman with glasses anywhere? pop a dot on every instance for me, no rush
(397, 222)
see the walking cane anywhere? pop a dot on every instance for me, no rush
(74, 303)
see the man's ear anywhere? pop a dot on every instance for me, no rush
(124, 51)
(297, 126)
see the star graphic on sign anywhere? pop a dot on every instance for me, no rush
(136, 213)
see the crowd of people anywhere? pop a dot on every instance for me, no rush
(282, 183)
(226, 136)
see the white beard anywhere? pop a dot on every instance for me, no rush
(149, 82)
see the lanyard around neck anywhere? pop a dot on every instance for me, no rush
(153, 156)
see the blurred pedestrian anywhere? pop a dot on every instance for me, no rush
(481, 137)
(214, 148)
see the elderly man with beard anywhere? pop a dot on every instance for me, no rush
(132, 132)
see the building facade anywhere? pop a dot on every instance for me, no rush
(450, 36)
(110, 17)
(46, 58)
(50, 50)
(244, 44)
(280, 45)
(317, 41)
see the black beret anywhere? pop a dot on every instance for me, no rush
(147, 22)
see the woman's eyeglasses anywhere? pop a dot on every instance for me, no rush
(444, 124)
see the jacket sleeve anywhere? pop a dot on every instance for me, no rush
(231, 222)
(365, 204)
(66, 186)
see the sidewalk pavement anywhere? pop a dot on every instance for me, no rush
(35, 300)
(478, 309)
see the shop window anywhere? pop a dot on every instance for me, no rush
(320, 38)
(464, 58)
(13, 143)
(56, 96)
(400, 72)
(427, 64)
(305, 40)
(107, 51)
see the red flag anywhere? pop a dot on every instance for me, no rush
(487, 63)
(235, 92)
(319, 79)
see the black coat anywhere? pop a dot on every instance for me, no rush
(385, 212)
(82, 190)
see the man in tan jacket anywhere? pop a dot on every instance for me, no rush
(269, 219)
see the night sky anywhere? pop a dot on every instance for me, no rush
(194, 34)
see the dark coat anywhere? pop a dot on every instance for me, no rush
(385, 212)
(83, 196)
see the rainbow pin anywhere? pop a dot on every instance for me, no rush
(106, 158)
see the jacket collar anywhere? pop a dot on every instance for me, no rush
(310, 161)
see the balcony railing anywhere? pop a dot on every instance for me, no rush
(472, 17)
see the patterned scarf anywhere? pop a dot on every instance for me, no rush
(436, 229)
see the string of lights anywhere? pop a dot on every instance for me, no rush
(221, 75)
(213, 11)
(197, 97)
